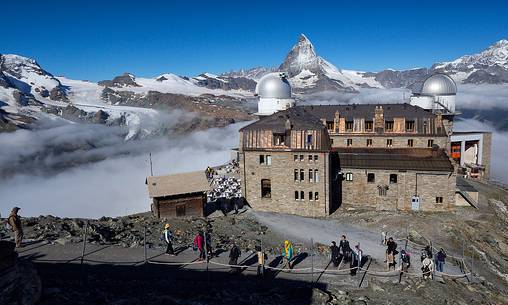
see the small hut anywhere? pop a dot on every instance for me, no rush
(178, 195)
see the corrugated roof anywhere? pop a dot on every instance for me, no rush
(300, 118)
(395, 159)
(357, 111)
(177, 184)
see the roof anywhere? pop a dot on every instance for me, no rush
(423, 159)
(300, 118)
(177, 184)
(353, 111)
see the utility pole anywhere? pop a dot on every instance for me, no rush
(151, 166)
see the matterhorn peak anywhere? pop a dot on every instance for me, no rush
(301, 56)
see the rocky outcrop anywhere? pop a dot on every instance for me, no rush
(224, 82)
(124, 80)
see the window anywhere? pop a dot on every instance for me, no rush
(410, 126)
(439, 199)
(393, 178)
(382, 190)
(368, 125)
(311, 175)
(315, 158)
(389, 142)
(389, 126)
(266, 188)
(349, 142)
(297, 195)
(369, 142)
(296, 175)
(261, 159)
(301, 158)
(302, 195)
(279, 139)
(309, 141)
(329, 125)
(349, 126)
(268, 160)
(430, 143)
(349, 176)
(410, 143)
(302, 175)
(371, 178)
(316, 196)
(310, 158)
(295, 157)
(316, 176)
(310, 196)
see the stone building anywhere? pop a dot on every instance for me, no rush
(309, 160)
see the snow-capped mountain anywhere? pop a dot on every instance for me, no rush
(489, 66)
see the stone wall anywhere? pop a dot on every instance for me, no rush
(379, 141)
(283, 185)
(359, 192)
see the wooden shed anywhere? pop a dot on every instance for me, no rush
(179, 194)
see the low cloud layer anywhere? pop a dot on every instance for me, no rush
(112, 187)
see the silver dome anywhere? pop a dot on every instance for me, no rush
(274, 85)
(439, 84)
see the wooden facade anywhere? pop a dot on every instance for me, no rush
(179, 205)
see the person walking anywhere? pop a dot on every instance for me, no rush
(261, 262)
(440, 260)
(345, 249)
(14, 221)
(167, 235)
(356, 259)
(405, 258)
(335, 254)
(208, 240)
(427, 268)
(199, 245)
(288, 254)
(234, 254)
(391, 247)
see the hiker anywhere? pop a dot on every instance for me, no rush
(391, 247)
(390, 260)
(14, 222)
(440, 260)
(288, 254)
(427, 268)
(234, 254)
(356, 259)
(427, 252)
(335, 254)
(199, 244)
(208, 240)
(345, 248)
(261, 261)
(405, 258)
(168, 238)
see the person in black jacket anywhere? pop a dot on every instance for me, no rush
(345, 248)
(391, 248)
(335, 254)
(234, 254)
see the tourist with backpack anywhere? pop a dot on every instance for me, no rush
(405, 258)
(427, 268)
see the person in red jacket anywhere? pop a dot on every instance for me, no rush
(199, 245)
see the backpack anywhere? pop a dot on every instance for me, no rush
(8, 225)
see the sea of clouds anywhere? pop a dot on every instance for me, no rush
(86, 170)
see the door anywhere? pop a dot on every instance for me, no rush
(415, 203)
(180, 210)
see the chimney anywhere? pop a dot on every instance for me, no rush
(336, 118)
(379, 119)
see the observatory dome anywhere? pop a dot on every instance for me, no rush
(439, 84)
(274, 85)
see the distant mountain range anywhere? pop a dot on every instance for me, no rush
(28, 92)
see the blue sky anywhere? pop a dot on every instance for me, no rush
(100, 39)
